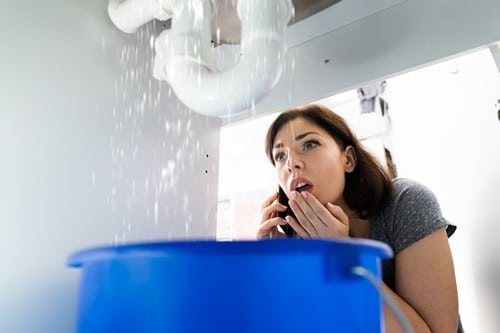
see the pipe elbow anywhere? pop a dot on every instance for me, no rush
(221, 94)
(130, 15)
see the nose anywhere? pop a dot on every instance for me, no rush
(293, 162)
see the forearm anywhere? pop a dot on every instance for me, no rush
(392, 324)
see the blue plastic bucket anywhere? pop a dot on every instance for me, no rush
(273, 286)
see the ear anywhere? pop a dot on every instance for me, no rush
(351, 159)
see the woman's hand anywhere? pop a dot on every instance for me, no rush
(314, 220)
(269, 219)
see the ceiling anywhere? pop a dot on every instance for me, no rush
(226, 25)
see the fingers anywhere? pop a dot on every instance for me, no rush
(269, 200)
(299, 229)
(305, 213)
(312, 218)
(268, 220)
(315, 220)
(341, 225)
(338, 213)
(268, 229)
(271, 211)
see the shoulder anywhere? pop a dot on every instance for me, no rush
(406, 187)
(412, 213)
(413, 195)
(410, 196)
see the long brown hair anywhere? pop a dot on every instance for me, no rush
(368, 187)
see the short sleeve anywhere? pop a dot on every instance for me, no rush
(417, 214)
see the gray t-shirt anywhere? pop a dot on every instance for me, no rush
(412, 213)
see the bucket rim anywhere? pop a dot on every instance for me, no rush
(229, 248)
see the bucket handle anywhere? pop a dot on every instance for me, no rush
(400, 316)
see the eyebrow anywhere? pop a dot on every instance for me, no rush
(303, 135)
(297, 138)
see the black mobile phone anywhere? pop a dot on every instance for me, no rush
(283, 199)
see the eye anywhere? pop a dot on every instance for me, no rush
(310, 144)
(279, 156)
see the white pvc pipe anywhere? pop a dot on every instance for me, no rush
(184, 53)
(189, 38)
(222, 94)
(263, 47)
(129, 15)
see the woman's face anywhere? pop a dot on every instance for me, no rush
(306, 156)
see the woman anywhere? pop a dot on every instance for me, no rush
(337, 189)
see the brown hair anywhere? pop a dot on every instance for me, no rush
(368, 187)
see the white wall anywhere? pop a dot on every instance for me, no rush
(446, 134)
(93, 151)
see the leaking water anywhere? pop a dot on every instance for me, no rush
(158, 148)
(289, 74)
(155, 149)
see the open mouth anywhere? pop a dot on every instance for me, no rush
(302, 187)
